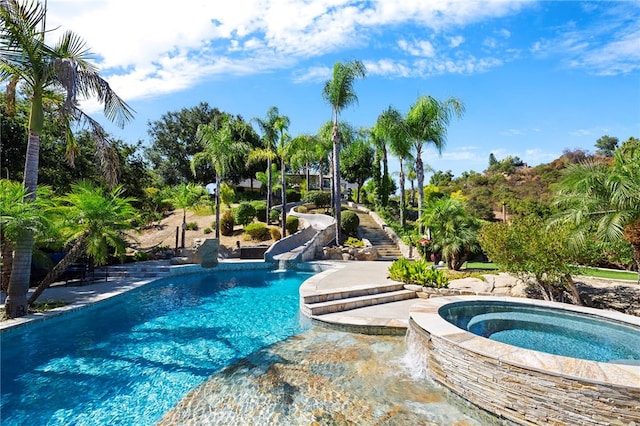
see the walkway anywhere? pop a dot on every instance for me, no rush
(370, 230)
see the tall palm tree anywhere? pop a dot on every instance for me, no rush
(392, 127)
(284, 152)
(268, 126)
(380, 144)
(93, 220)
(427, 122)
(338, 91)
(222, 151)
(596, 195)
(185, 196)
(42, 69)
(454, 232)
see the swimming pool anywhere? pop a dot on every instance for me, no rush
(132, 358)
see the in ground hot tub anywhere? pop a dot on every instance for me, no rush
(531, 361)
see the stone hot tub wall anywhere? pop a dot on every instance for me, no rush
(528, 387)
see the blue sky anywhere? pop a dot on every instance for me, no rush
(536, 77)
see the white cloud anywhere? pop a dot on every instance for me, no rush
(152, 47)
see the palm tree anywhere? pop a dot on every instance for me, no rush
(268, 126)
(222, 151)
(304, 154)
(391, 127)
(185, 196)
(427, 121)
(454, 232)
(284, 152)
(16, 217)
(93, 220)
(338, 91)
(26, 59)
(380, 145)
(596, 195)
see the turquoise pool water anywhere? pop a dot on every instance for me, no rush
(549, 330)
(129, 360)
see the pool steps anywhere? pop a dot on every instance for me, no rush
(344, 299)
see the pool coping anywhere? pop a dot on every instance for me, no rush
(424, 317)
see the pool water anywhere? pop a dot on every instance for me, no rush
(548, 330)
(131, 359)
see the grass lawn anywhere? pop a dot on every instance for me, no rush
(614, 275)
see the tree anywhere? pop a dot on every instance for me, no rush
(391, 126)
(186, 196)
(605, 195)
(606, 145)
(339, 92)
(222, 151)
(45, 70)
(454, 232)
(269, 128)
(427, 122)
(284, 152)
(381, 177)
(305, 154)
(539, 255)
(16, 217)
(356, 163)
(93, 220)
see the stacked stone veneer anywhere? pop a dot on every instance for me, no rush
(527, 387)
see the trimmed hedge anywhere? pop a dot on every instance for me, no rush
(292, 224)
(227, 222)
(257, 231)
(245, 213)
(349, 222)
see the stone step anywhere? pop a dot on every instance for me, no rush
(348, 292)
(340, 305)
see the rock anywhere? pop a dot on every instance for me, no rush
(206, 253)
(366, 254)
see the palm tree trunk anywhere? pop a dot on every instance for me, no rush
(575, 294)
(73, 255)
(284, 198)
(336, 182)
(218, 207)
(7, 262)
(16, 302)
(420, 181)
(269, 184)
(385, 176)
(402, 196)
(308, 176)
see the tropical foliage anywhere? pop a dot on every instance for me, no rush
(417, 272)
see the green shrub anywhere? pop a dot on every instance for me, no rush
(292, 224)
(207, 230)
(141, 256)
(349, 222)
(227, 222)
(275, 233)
(319, 198)
(192, 226)
(245, 213)
(301, 209)
(354, 242)
(274, 215)
(293, 196)
(257, 231)
(227, 195)
(261, 210)
(418, 272)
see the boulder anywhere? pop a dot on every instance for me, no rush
(206, 252)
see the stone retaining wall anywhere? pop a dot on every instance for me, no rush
(524, 386)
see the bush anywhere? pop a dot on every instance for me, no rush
(293, 196)
(292, 224)
(274, 215)
(227, 222)
(261, 210)
(319, 198)
(354, 242)
(349, 222)
(245, 213)
(227, 195)
(257, 231)
(301, 209)
(275, 233)
(141, 256)
(207, 230)
(418, 272)
(192, 226)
